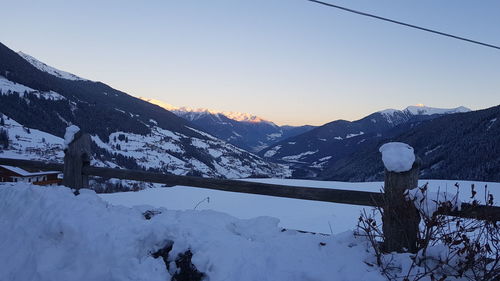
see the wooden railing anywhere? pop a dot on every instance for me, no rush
(399, 233)
(362, 198)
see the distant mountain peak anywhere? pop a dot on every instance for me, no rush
(421, 109)
(49, 69)
(198, 112)
(395, 116)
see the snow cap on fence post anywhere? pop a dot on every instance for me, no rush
(69, 135)
(397, 156)
(400, 217)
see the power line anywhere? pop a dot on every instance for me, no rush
(405, 24)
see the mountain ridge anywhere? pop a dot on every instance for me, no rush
(184, 110)
(243, 130)
(461, 146)
(127, 132)
(311, 152)
(49, 69)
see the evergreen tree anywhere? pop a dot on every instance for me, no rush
(4, 139)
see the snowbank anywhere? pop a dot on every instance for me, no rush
(50, 234)
(397, 156)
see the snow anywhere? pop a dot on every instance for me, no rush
(215, 153)
(432, 150)
(199, 143)
(389, 111)
(236, 134)
(397, 156)
(274, 136)
(29, 143)
(73, 238)
(119, 110)
(271, 152)
(84, 238)
(293, 158)
(166, 150)
(193, 114)
(325, 158)
(320, 163)
(161, 149)
(50, 234)
(293, 213)
(9, 87)
(6, 85)
(49, 69)
(429, 202)
(354, 135)
(70, 134)
(490, 123)
(421, 109)
(425, 110)
(25, 173)
(396, 117)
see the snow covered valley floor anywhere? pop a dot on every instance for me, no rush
(322, 217)
(47, 233)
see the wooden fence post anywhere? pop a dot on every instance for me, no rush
(400, 217)
(76, 156)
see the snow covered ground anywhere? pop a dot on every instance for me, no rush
(27, 143)
(47, 233)
(297, 214)
(8, 87)
(50, 234)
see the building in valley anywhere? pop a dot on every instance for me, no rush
(15, 174)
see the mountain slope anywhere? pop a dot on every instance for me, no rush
(312, 151)
(458, 146)
(244, 130)
(30, 99)
(49, 69)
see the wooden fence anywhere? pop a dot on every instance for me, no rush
(400, 219)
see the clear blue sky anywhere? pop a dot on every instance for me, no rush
(290, 61)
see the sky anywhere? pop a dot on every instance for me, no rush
(289, 61)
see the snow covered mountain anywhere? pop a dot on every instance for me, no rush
(49, 69)
(195, 113)
(311, 152)
(455, 146)
(127, 132)
(244, 130)
(397, 117)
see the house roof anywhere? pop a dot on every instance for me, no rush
(25, 173)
